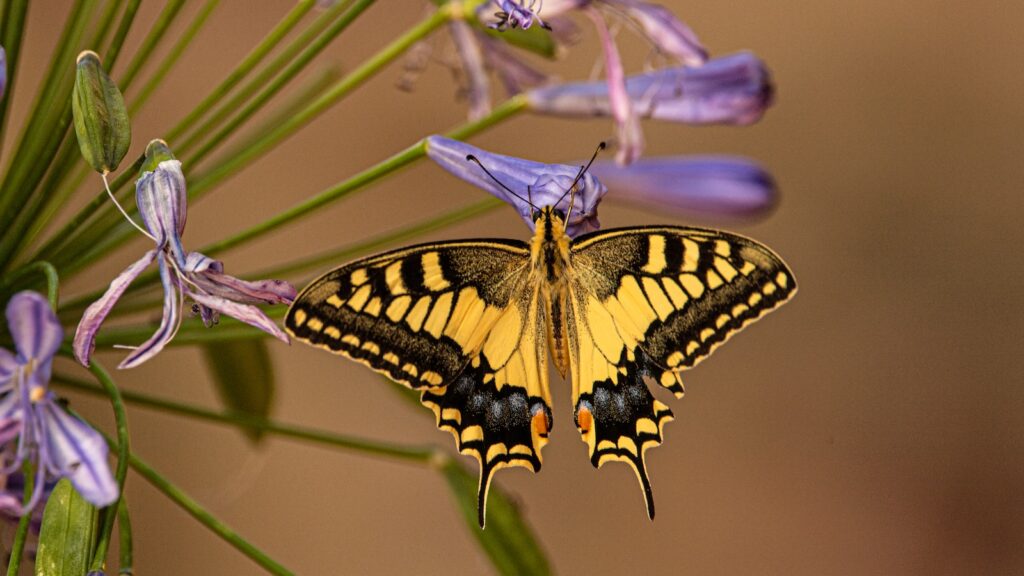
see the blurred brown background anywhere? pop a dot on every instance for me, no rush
(872, 426)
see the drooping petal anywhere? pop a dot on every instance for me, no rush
(168, 324)
(627, 125)
(733, 89)
(161, 199)
(543, 184)
(478, 90)
(712, 186)
(209, 274)
(34, 327)
(85, 335)
(77, 452)
(668, 34)
(11, 416)
(247, 313)
(8, 364)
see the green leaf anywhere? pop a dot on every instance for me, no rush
(508, 540)
(68, 533)
(101, 119)
(244, 377)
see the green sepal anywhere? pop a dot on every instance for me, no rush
(68, 534)
(508, 540)
(244, 377)
(156, 152)
(101, 119)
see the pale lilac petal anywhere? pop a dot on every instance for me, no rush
(710, 186)
(209, 275)
(515, 74)
(733, 89)
(85, 335)
(478, 90)
(515, 14)
(251, 315)
(668, 34)
(3, 71)
(544, 184)
(161, 198)
(8, 364)
(79, 453)
(10, 505)
(11, 417)
(168, 324)
(34, 327)
(627, 125)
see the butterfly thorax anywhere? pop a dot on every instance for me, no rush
(549, 256)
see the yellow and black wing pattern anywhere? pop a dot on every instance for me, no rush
(455, 320)
(654, 301)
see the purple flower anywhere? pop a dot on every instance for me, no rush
(712, 186)
(734, 89)
(60, 444)
(3, 71)
(512, 14)
(160, 195)
(542, 184)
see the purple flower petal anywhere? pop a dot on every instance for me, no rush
(733, 89)
(669, 34)
(168, 324)
(8, 364)
(209, 275)
(34, 327)
(161, 198)
(3, 71)
(11, 416)
(251, 315)
(85, 335)
(544, 184)
(714, 186)
(79, 453)
(468, 49)
(627, 125)
(515, 74)
(515, 15)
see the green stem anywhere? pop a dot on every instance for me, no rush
(12, 28)
(414, 152)
(191, 121)
(44, 268)
(145, 50)
(121, 420)
(370, 447)
(194, 509)
(344, 86)
(28, 470)
(172, 57)
(124, 531)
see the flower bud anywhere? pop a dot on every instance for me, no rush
(101, 120)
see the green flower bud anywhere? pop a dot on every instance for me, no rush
(156, 152)
(101, 120)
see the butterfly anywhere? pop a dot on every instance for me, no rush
(472, 323)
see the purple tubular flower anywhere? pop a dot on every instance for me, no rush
(712, 186)
(59, 443)
(161, 198)
(543, 184)
(734, 89)
(3, 71)
(513, 14)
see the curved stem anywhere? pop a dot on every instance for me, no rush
(370, 447)
(43, 267)
(26, 519)
(121, 420)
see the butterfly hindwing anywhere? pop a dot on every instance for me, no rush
(651, 302)
(499, 408)
(417, 314)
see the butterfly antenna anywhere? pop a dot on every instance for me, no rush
(476, 160)
(579, 175)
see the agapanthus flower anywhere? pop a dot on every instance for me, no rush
(536, 182)
(709, 186)
(733, 89)
(668, 35)
(513, 14)
(160, 195)
(58, 443)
